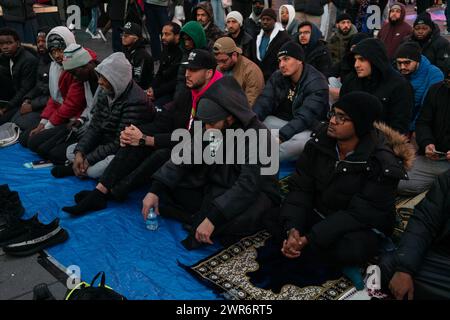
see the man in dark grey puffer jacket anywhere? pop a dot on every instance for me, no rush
(121, 102)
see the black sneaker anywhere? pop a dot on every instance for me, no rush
(15, 228)
(38, 237)
(12, 205)
(41, 292)
(4, 191)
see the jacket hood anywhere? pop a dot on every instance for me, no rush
(64, 33)
(194, 30)
(118, 71)
(403, 8)
(399, 144)
(205, 5)
(236, 102)
(374, 51)
(316, 34)
(291, 11)
(278, 28)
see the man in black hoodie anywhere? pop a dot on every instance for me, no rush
(165, 81)
(374, 74)
(21, 67)
(36, 99)
(217, 200)
(137, 55)
(434, 46)
(316, 50)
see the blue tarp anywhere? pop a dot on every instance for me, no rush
(139, 264)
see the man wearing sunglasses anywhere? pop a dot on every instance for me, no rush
(342, 194)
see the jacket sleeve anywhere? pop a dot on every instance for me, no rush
(143, 72)
(254, 85)
(131, 114)
(442, 55)
(299, 201)
(424, 227)
(50, 107)
(242, 194)
(28, 76)
(401, 105)
(73, 104)
(370, 208)
(424, 124)
(312, 108)
(167, 86)
(265, 103)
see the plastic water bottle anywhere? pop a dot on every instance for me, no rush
(152, 220)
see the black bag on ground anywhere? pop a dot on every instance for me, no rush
(85, 291)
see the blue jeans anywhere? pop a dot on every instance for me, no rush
(116, 35)
(219, 14)
(95, 12)
(27, 30)
(156, 18)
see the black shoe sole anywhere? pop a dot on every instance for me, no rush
(60, 237)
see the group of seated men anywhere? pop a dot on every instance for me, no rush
(354, 147)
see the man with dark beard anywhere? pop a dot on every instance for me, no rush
(339, 41)
(427, 34)
(395, 29)
(165, 81)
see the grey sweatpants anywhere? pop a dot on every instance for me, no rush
(291, 149)
(95, 171)
(422, 175)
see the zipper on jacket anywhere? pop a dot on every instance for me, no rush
(347, 161)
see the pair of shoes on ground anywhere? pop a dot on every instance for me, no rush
(26, 237)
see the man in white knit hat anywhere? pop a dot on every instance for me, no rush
(242, 39)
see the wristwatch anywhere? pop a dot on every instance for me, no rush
(142, 140)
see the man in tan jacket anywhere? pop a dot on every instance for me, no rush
(231, 62)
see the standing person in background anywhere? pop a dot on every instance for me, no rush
(20, 16)
(219, 13)
(117, 10)
(93, 5)
(309, 10)
(157, 16)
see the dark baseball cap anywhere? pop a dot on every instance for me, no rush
(200, 59)
(132, 29)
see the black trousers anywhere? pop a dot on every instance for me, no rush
(191, 206)
(353, 248)
(49, 144)
(423, 5)
(131, 168)
(432, 281)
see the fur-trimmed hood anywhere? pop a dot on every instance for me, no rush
(399, 144)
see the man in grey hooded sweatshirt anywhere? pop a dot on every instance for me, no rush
(120, 103)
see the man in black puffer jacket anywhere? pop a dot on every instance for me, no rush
(137, 55)
(419, 268)
(374, 74)
(120, 103)
(19, 15)
(428, 35)
(344, 186)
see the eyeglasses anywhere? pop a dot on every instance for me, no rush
(339, 117)
(405, 62)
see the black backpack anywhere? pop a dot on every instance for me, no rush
(85, 291)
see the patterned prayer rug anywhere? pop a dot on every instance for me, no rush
(228, 272)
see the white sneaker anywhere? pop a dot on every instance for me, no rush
(92, 35)
(102, 35)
